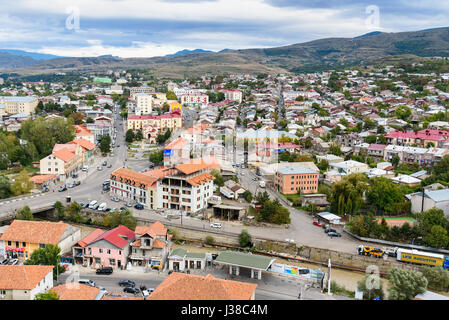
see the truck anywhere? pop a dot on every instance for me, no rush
(262, 184)
(423, 258)
(227, 193)
(370, 251)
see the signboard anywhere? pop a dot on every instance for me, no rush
(167, 153)
(297, 271)
(15, 249)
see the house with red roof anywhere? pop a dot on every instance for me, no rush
(109, 249)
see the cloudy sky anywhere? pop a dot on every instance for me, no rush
(146, 28)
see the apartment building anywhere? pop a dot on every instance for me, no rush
(148, 123)
(15, 105)
(144, 104)
(422, 138)
(421, 156)
(232, 94)
(81, 132)
(135, 187)
(291, 180)
(195, 99)
(64, 163)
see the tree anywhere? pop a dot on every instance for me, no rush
(22, 183)
(171, 95)
(347, 194)
(25, 214)
(48, 256)
(437, 278)
(59, 210)
(323, 165)
(89, 120)
(261, 198)
(139, 135)
(395, 160)
(157, 157)
(244, 238)
(385, 195)
(372, 287)
(437, 237)
(403, 112)
(406, 284)
(218, 177)
(129, 136)
(248, 196)
(335, 149)
(5, 187)
(105, 144)
(123, 217)
(209, 240)
(72, 212)
(49, 295)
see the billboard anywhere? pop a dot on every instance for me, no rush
(167, 153)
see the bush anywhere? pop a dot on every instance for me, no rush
(209, 240)
(244, 238)
(437, 277)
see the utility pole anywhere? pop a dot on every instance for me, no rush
(329, 278)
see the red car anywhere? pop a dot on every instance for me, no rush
(317, 224)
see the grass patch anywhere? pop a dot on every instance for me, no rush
(341, 290)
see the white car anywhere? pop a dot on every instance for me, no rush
(85, 168)
(102, 206)
(215, 225)
(92, 204)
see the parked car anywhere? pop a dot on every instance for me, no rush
(215, 225)
(95, 207)
(106, 187)
(99, 168)
(109, 166)
(13, 262)
(316, 223)
(77, 183)
(333, 234)
(92, 204)
(4, 262)
(131, 290)
(139, 206)
(105, 163)
(327, 230)
(122, 208)
(179, 271)
(105, 270)
(128, 204)
(102, 206)
(127, 283)
(62, 188)
(85, 168)
(115, 199)
(87, 282)
(107, 209)
(72, 185)
(75, 175)
(85, 205)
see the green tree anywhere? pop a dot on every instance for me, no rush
(244, 238)
(105, 144)
(171, 95)
(25, 214)
(157, 157)
(218, 177)
(5, 187)
(123, 217)
(49, 295)
(323, 165)
(347, 194)
(395, 160)
(372, 287)
(129, 136)
(437, 278)
(89, 120)
(209, 240)
(385, 195)
(48, 256)
(22, 183)
(72, 212)
(437, 237)
(59, 210)
(405, 284)
(403, 112)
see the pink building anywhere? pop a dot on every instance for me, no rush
(109, 249)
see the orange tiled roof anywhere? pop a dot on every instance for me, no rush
(24, 277)
(121, 298)
(75, 291)
(158, 173)
(181, 286)
(193, 166)
(64, 154)
(201, 179)
(136, 243)
(70, 147)
(133, 177)
(177, 144)
(89, 238)
(83, 143)
(154, 230)
(81, 130)
(42, 178)
(35, 231)
(158, 244)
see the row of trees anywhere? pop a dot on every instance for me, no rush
(271, 211)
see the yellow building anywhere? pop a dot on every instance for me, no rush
(175, 106)
(15, 105)
(23, 237)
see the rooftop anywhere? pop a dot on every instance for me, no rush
(244, 260)
(24, 277)
(35, 231)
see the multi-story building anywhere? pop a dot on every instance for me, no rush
(144, 104)
(232, 94)
(63, 163)
(23, 237)
(148, 123)
(291, 180)
(151, 246)
(101, 126)
(422, 138)
(421, 156)
(135, 187)
(82, 132)
(15, 105)
(195, 99)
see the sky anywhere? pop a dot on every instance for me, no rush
(148, 28)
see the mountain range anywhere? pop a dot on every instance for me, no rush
(302, 57)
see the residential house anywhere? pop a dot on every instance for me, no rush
(24, 282)
(23, 237)
(182, 260)
(432, 199)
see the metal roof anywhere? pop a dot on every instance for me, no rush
(244, 260)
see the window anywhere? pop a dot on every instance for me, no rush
(109, 251)
(24, 244)
(100, 250)
(17, 244)
(9, 243)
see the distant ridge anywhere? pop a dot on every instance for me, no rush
(370, 34)
(33, 55)
(185, 51)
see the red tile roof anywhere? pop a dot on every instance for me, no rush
(117, 236)
(64, 154)
(24, 277)
(84, 144)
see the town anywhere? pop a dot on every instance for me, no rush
(119, 185)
